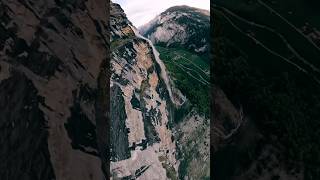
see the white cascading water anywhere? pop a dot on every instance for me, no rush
(164, 74)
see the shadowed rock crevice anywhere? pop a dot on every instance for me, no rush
(23, 157)
(119, 131)
(80, 129)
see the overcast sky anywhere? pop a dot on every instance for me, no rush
(140, 12)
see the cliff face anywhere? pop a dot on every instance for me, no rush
(54, 98)
(53, 86)
(155, 132)
(141, 106)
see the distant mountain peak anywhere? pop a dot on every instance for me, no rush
(187, 8)
(182, 26)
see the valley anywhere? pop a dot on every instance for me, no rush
(187, 68)
(162, 130)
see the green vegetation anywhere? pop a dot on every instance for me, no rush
(190, 74)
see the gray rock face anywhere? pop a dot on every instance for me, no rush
(141, 103)
(53, 95)
(182, 26)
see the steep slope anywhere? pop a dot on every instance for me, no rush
(142, 102)
(267, 62)
(180, 26)
(179, 33)
(53, 61)
(147, 140)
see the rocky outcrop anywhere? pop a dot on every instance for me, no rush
(180, 26)
(227, 119)
(54, 89)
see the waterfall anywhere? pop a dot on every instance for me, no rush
(164, 73)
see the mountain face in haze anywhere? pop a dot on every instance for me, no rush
(147, 141)
(53, 74)
(181, 26)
